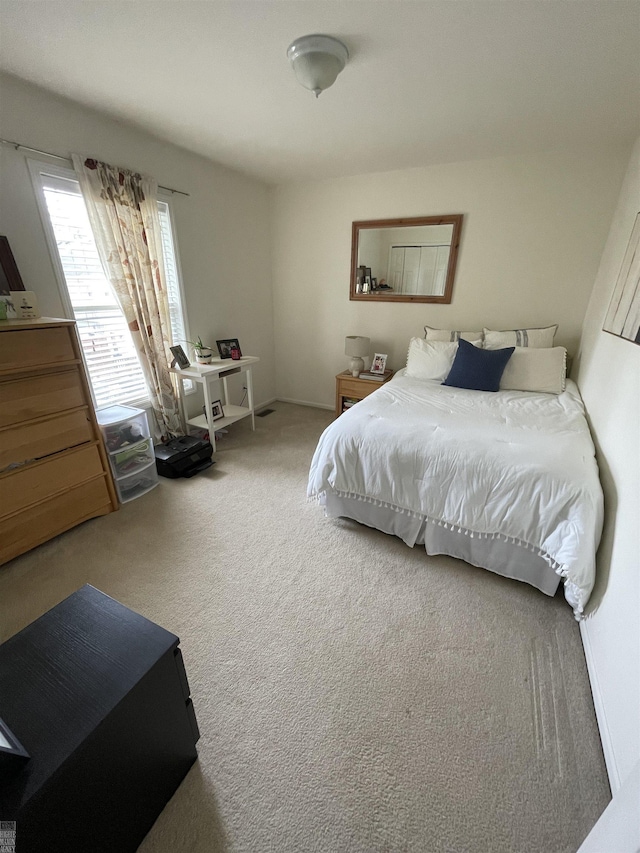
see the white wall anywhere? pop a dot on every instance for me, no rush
(532, 238)
(222, 228)
(618, 828)
(609, 378)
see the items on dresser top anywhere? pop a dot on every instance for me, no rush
(54, 472)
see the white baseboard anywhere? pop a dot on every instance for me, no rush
(601, 715)
(305, 403)
(264, 403)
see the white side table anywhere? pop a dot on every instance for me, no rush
(206, 374)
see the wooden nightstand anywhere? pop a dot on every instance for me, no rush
(350, 389)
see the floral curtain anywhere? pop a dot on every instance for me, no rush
(123, 211)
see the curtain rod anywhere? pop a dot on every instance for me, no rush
(18, 145)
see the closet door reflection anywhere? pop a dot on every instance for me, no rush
(405, 260)
(420, 270)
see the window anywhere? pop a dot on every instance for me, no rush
(112, 360)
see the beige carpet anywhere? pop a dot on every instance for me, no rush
(353, 694)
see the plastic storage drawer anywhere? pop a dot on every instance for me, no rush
(137, 484)
(133, 458)
(122, 426)
(130, 448)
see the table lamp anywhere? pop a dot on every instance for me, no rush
(357, 347)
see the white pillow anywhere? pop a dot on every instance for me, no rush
(536, 369)
(430, 359)
(452, 335)
(520, 338)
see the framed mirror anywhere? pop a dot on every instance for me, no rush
(405, 260)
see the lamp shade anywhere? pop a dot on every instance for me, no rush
(356, 346)
(317, 60)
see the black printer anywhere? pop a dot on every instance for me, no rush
(183, 457)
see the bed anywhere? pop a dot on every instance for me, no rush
(506, 481)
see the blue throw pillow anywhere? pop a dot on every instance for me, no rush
(478, 369)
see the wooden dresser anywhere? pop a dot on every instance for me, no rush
(54, 471)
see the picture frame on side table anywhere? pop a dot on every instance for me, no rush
(179, 357)
(9, 276)
(217, 411)
(226, 346)
(379, 363)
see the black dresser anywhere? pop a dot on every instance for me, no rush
(99, 698)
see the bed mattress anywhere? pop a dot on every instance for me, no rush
(512, 467)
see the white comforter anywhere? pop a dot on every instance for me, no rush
(513, 465)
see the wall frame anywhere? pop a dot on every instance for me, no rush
(10, 278)
(623, 317)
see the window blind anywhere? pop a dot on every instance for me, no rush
(112, 360)
(171, 275)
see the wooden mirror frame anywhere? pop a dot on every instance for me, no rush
(454, 219)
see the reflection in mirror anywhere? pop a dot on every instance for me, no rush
(405, 260)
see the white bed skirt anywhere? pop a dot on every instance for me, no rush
(503, 558)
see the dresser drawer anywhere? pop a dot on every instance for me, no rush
(35, 483)
(28, 348)
(38, 396)
(19, 444)
(38, 523)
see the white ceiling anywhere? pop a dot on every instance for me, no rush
(427, 82)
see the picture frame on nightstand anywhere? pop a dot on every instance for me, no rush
(379, 363)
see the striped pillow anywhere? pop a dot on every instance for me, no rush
(538, 338)
(452, 335)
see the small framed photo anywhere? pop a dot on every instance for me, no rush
(229, 348)
(179, 357)
(379, 363)
(217, 411)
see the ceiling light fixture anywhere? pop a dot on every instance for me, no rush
(317, 60)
